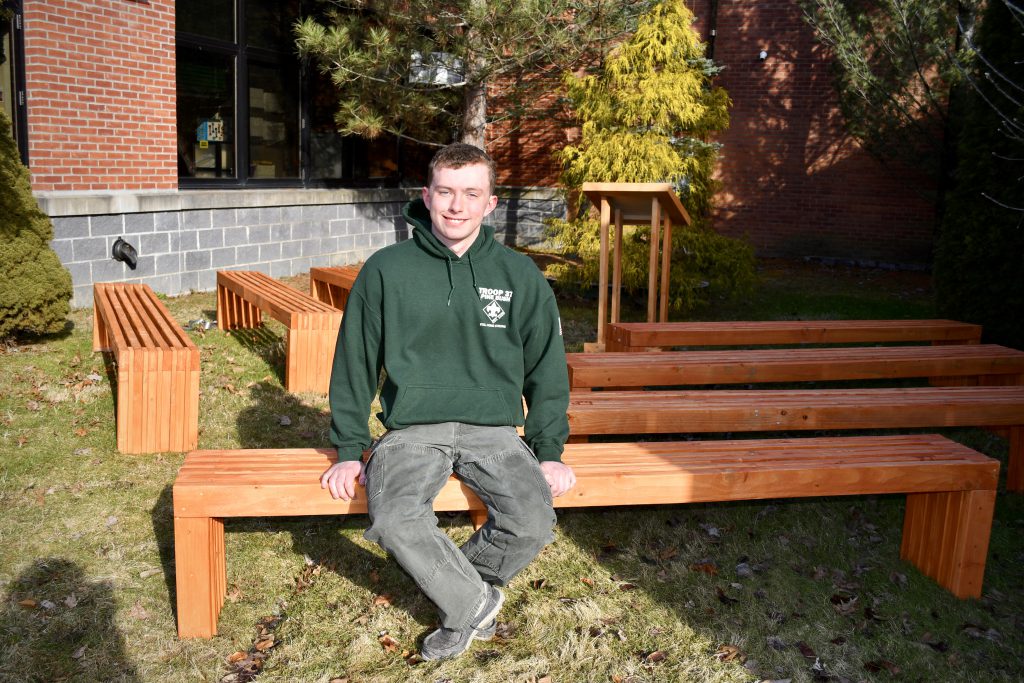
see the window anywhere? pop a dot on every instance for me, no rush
(12, 72)
(250, 114)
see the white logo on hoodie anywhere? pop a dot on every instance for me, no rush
(493, 309)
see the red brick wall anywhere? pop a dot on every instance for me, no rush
(101, 94)
(522, 148)
(792, 182)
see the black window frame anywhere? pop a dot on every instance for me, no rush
(16, 63)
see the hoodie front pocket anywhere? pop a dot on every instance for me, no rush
(420, 404)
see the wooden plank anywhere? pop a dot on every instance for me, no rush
(637, 336)
(673, 472)
(652, 261)
(673, 368)
(332, 284)
(602, 270)
(198, 560)
(667, 412)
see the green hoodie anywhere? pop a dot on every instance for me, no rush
(460, 339)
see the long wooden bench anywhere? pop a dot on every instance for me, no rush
(972, 363)
(332, 284)
(157, 369)
(242, 297)
(643, 336)
(950, 496)
(701, 412)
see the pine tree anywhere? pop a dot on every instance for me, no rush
(34, 286)
(420, 69)
(646, 116)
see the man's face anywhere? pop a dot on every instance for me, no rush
(458, 200)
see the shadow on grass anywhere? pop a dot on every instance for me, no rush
(59, 625)
(162, 517)
(324, 541)
(265, 344)
(278, 419)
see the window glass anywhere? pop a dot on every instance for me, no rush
(327, 147)
(206, 114)
(268, 23)
(273, 121)
(209, 18)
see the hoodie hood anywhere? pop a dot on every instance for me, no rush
(418, 216)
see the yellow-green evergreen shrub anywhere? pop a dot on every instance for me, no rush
(646, 116)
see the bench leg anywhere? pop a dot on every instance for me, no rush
(478, 518)
(309, 355)
(946, 535)
(1015, 470)
(99, 330)
(200, 574)
(234, 312)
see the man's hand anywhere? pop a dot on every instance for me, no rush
(559, 477)
(341, 478)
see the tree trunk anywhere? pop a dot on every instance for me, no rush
(474, 115)
(473, 126)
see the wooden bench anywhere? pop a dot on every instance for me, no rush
(644, 336)
(950, 496)
(157, 369)
(242, 297)
(701, 412)
(972, 363)
(332, 284)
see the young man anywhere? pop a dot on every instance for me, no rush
(464, 328)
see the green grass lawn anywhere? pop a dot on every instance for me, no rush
(771, 590)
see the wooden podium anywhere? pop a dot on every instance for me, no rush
(634, 204)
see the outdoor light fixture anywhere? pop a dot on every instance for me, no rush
(762, 55)
(124, 252)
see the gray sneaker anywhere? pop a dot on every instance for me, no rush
(446, 642)
(487, 631)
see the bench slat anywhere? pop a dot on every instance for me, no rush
(790, 365)
(333, 284)
(275, 298)
(628, 412)
(635, 336)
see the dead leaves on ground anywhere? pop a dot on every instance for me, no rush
(245, 665)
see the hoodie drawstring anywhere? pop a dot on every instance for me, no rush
(472, 272)
(451, 280)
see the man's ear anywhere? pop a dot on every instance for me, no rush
(491, 204)
(426, 196)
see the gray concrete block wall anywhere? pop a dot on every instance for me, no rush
(179, 251)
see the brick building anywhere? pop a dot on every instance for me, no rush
(189, 129)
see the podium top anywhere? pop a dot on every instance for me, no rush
(634, 200)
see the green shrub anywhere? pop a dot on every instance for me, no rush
(979, 257)
(35, 288)
(706, 266)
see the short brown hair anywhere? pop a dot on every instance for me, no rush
(459, 154)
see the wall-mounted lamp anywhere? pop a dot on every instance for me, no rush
(762, 55)
(124, 252)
